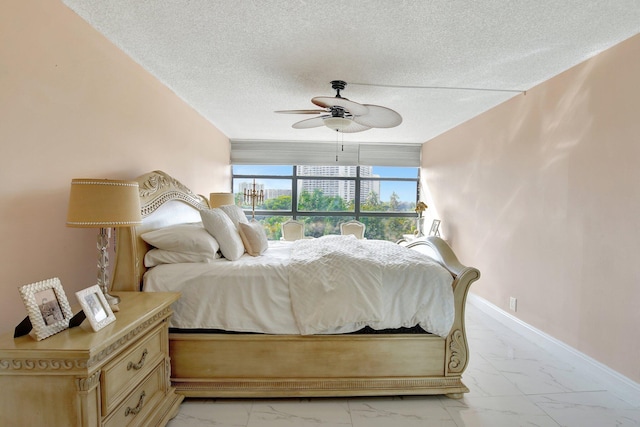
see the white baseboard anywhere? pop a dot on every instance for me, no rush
(624, 387)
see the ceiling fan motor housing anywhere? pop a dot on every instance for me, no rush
(338, 85)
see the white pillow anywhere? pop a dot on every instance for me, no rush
(160, 256)
(220, 226)
(236, 214)
(186, 238)
(254, 238)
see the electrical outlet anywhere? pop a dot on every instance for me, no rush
(513, 304)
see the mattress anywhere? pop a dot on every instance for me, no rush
(253, 294)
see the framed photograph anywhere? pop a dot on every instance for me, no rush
(95, 307)
(435, 225)
(47, 306)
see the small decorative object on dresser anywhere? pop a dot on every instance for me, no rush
(114, 377)
(47, 306)
(435, 225)
(95, 307)
(254, 195)
(420, 208)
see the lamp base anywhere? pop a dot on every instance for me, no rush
(103, 268)
(113, 302)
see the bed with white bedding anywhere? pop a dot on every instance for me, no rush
(269, 294)
(296, 310)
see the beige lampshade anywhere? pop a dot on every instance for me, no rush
(103, 203)
(221, 199)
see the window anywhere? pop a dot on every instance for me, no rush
(383, 198)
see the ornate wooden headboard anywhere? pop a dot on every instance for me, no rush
(164, 201)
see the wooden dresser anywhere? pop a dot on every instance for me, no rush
(118, 376)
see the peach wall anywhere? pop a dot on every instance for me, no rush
(542, 194)
(72, 105)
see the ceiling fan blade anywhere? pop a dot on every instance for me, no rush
(379, 117)
(310, 123)
(330, 101)
(301, 111)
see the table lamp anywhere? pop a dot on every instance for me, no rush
(104, 203)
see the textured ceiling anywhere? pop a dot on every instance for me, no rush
(236, 62)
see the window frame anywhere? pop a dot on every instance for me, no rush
(358, 179)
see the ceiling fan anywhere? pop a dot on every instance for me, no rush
(346, 116)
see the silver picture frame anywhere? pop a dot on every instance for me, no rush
(95, 307)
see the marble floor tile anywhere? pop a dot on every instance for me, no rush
(588, 409)
(505, 344)
(544, 376)
(300, 413)
(406, 411)
(483, 379)
(509, 411)
(213, 412)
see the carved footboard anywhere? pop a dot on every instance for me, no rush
(457, 348)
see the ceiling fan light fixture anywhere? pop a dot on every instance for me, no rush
(337, 123)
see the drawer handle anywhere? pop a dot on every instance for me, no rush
(140, 364)
(134, 411)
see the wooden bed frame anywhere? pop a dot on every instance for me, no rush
(261, 365)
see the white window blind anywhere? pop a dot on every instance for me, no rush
(254, 152)
(407, 155)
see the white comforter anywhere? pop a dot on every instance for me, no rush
(297, 288)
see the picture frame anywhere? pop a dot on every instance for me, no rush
(435, 226)
(95, 307)
(47, 306)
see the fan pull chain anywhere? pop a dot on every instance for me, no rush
(338, 140)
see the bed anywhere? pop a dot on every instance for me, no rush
(338, 361)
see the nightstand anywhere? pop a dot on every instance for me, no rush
(114, 377)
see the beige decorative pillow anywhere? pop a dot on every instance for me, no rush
(254, 238)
